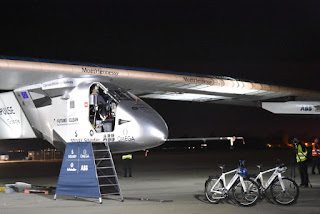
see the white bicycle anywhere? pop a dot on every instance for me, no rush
(245, 191)
(284, 191)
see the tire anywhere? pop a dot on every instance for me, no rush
(213, 198)
(248, 198)
(290, 195)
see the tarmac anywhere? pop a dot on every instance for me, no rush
(176, 178)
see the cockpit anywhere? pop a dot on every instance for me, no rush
(103, 106)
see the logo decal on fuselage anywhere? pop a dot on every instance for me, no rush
(123, 121)
(7, 111)
(126, 139)
(67, 121)
(99, 71)
(24, 95)
(306, 108)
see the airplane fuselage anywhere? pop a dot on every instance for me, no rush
(81, 110)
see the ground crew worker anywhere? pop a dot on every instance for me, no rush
(127, 163)
(301, 158)
(315, 156)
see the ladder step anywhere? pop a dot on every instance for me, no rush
(106, 176)
(106, 194)
(104, 167)
(102, 159)
(107, 185)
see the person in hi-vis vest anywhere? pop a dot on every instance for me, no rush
(315, 156)
(127, 164)
(301, 158)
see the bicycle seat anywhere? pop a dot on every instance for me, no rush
(280, 165)
(212, 176)
(259, 165)
(221, 166)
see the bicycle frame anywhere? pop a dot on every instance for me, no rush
(275, 174)
(231, 182)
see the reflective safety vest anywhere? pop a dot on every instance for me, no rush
(128, 156)
(300, 155)
(315, 150)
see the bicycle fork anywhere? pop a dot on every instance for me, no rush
(281, 182)
(244, 187)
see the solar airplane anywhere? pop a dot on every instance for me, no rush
(72, 102)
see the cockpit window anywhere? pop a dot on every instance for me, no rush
(103, 108)
(120, 95)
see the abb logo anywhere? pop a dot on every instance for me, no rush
(306, 108)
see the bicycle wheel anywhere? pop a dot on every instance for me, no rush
(248, 197)
(289, 195)
(213, 197)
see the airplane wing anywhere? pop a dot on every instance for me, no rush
(152, 83)
(204, 139)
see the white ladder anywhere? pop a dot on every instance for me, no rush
(106, 172)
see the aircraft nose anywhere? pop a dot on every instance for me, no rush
(155, 131)
(148, 128)
(158, 131)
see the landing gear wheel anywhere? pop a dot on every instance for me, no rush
(213, 197)
(287, 197)
(248, 197)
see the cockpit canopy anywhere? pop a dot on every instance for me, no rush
(117, 94)
(103, 106)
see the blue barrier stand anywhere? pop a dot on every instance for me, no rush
(78, 175)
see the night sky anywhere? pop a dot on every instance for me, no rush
(275, 42)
